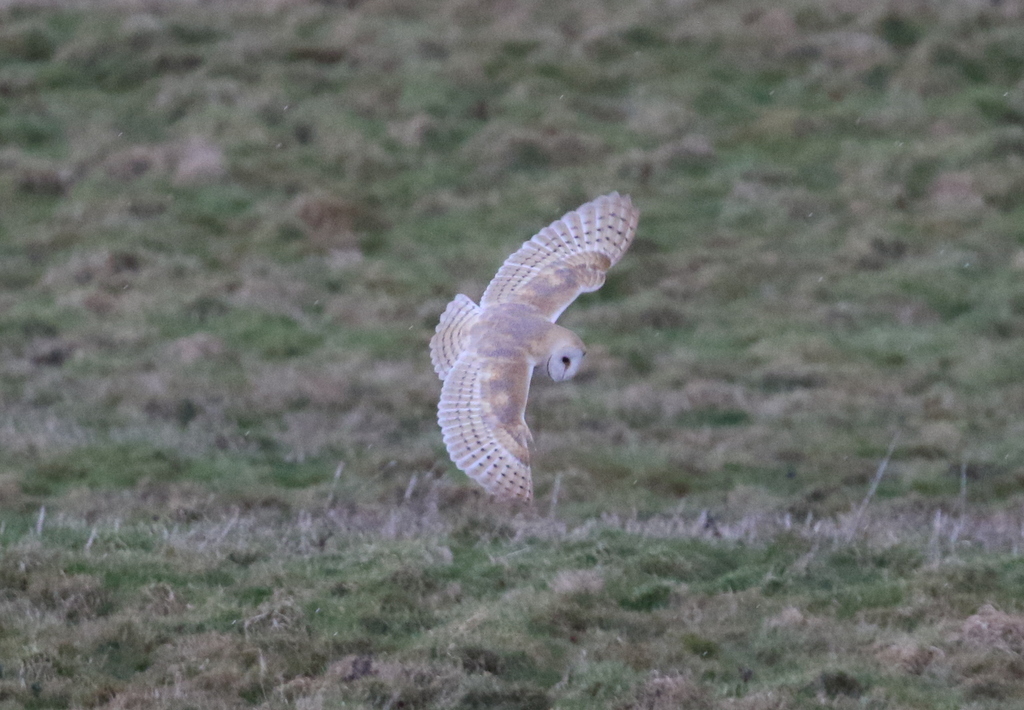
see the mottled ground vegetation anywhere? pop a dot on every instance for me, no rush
(228, 229)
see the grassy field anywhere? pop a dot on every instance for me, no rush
(790, 474)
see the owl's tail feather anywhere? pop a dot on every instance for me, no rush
(452, 333)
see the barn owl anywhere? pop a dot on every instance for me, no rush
(486, 354)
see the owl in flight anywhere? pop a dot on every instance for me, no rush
(486, 354)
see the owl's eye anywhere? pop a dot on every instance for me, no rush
(566, 361)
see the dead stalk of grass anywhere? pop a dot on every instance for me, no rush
(934, 553)
(331, 497)
(961, 505)
(855, 522)
(227, 528)
(554, 495)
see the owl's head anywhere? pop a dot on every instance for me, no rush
(565, 358)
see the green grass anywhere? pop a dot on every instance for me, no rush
(228, 232)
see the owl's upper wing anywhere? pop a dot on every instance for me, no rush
(481, 416)
(568, 257)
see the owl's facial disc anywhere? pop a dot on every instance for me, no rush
(564, 362)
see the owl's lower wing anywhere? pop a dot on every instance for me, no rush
(481, 417)
(568, 257)
(452, 333)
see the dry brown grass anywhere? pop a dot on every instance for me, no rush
(666, 692)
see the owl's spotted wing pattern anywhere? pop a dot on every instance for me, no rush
(566, 258)
(452, 333)
(481, 418)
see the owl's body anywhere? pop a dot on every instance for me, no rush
(486, 354)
